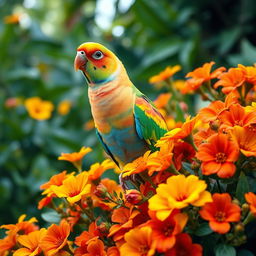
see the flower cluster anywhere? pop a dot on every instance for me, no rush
(193, 195)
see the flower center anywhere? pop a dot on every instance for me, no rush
(143, 250)
(168, 230)
(238, 122)
(73, 193)
(220, 216)
(221, 157)
(181, 198)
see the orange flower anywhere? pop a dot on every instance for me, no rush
(230, 80)
(14, 230)
(125, 221)
(249, 73)
(30, 243)
(164, 232)
(251, 200)
(39, 109)
(55, 238)
(218, 156)
(137, 166)
(96, 170)
(200, 76)
(76, 157)
(160, 160)
(212, 112)
(179, 133)
(95, 247)
(220, 212)
(182, 152)
(64, 107)
(55, 180)
(73, 188)
(184, 246)
(178, 192)
(113, 251)
(162, 100)
(236, 115)
(164, 75)
(12, 19)
(202, 136)
(245, 139)
(138, 242)
(82, 240)
(44, 202)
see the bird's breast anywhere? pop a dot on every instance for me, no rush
(112, 106)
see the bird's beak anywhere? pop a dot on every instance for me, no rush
(80, 61)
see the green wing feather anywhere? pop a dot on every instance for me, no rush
(150, 124)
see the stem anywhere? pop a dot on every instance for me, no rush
(113, 201)
(250, 217)
(219, 187)
(86, 212)
(204, 95)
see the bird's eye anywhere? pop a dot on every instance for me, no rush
(82, 52)
(97, 55)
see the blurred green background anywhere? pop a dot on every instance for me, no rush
(36, 58)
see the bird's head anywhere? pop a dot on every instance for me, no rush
(98, 64)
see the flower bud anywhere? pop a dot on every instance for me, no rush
(239, 228)
(195, 165)
(215, 125)
(183, 106)
(133, 196)
(235, 201)
(101, 191)
(103, 228)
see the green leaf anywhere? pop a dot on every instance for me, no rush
(242, 187)
(228, 39)
(225, 250)
(161, 51)
(203, 230)
(51, 216)
(150, 17)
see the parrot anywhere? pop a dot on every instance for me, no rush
(127, 123)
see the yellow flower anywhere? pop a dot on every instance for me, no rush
(64, 107)
(164, 75)
(38, 108)
(180, 85)
(12, 19)
(76, 157)
(73, 188)
(97, 169)
(179, 192)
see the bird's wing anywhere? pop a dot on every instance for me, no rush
(107, 150)
(150, 124)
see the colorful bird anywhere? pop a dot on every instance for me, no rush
(126, 121)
